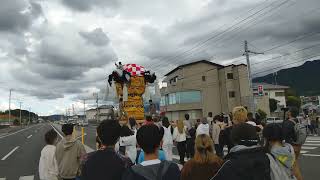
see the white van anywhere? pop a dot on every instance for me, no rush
(274, 120)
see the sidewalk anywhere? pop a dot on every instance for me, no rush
(77, 134)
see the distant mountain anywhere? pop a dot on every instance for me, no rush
(304, 79)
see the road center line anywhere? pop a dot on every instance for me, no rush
(6, 156)
(29, 136)
(16, 132)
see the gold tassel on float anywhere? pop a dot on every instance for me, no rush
(125, 92)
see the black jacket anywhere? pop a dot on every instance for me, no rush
(104, 165)
(288, 131)
(249, 164)
(225, 137)
(164, 171)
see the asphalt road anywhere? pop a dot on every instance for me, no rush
(20, 152)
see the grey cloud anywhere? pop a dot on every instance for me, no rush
(87, 5)
(65, 53)
(264, 33)
(96, 37)
(17, 15)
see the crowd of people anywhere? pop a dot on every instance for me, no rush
(145, 152)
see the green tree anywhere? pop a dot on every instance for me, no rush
(290, 92)
(273, 104)
(293, 101)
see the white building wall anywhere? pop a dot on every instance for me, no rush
(281, 99)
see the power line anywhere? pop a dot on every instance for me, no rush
(220, 28)
(267, 60)
(295, 40)
(202, 43)
(301, 60)
(306, 35)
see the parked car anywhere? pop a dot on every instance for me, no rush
(273, 120)
(84, 124)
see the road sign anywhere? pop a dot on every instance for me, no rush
(260, 90)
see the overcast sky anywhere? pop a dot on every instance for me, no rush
(55, 52)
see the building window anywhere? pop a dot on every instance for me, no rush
(163, 101)
(172, 98)
(173, 80)
(278, 94)
(203, 78)
(181, 98)
(189, 97)
(232, 94)
(230, 75)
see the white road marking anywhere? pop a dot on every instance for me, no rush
(312, 141)
(312, 155)
(29, 136)
(16, 132)
(308, 147)
(303, 152)
(2, 178)
(308, 144)
(56, 131)
(26, 178)
(87, 148)
(78, 137)
(6, 156)
(313, 138)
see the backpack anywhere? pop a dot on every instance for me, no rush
(277, 171)
(300, 132)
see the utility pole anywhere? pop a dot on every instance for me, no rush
(20, 114)
(84, 110)
(29, 115)
(246, 53)
(72, 109)
(10, 106)
(275, 74)
(97, 102)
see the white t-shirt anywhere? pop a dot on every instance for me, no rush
(179, 137)
(203, 129)
(48, 166)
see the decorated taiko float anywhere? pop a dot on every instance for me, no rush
(130, 82)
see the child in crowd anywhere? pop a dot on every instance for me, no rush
(48, 167)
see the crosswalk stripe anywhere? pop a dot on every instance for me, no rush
(303, 152)
(26, 178)
(308, 147)
(309, 144)
(313, 138)
(313, 141)
(312, 155)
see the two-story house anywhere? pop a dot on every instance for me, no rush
(201, 87)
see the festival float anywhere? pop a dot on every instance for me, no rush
(130, 82)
